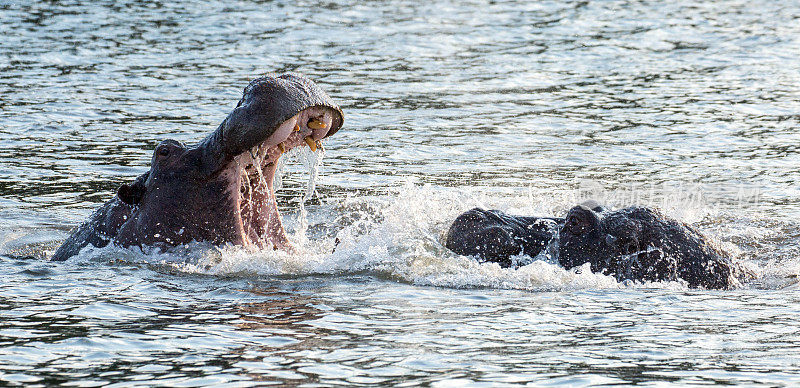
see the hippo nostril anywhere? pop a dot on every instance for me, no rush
(611, 240)
(630, 248)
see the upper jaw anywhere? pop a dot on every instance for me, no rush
(308, 127)
(271, 108)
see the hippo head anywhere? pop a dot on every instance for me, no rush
(220, 190)
(642, 244)
(631, 243)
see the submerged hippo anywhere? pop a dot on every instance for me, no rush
(220, 190)
(634, 243)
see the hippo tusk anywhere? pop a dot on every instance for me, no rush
(311, 144)
(316, 124)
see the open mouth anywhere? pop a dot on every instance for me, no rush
(254, 171)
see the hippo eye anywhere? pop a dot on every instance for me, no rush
(163, 151)
(576, 225)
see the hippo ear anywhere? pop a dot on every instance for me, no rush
(593, 205)
(132, 193)
(581, 220)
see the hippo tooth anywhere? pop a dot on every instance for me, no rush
(319, 145)
(297, 127)
(316, 124)
(311, 144)
(282, 147)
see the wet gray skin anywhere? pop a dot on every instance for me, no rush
(491, 235)
(634, 243)
(639, 243)
(220, 190)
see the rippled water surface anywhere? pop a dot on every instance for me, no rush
(526, 107)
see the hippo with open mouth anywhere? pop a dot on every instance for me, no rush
(634, 243)
(220, 190)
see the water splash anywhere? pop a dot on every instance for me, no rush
(398, 235)
(312, 162)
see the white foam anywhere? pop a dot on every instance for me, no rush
(398, 235)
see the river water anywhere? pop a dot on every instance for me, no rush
(527, 107)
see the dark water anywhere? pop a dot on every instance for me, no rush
(522, 106)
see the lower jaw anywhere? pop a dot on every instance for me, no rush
(262, 226)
